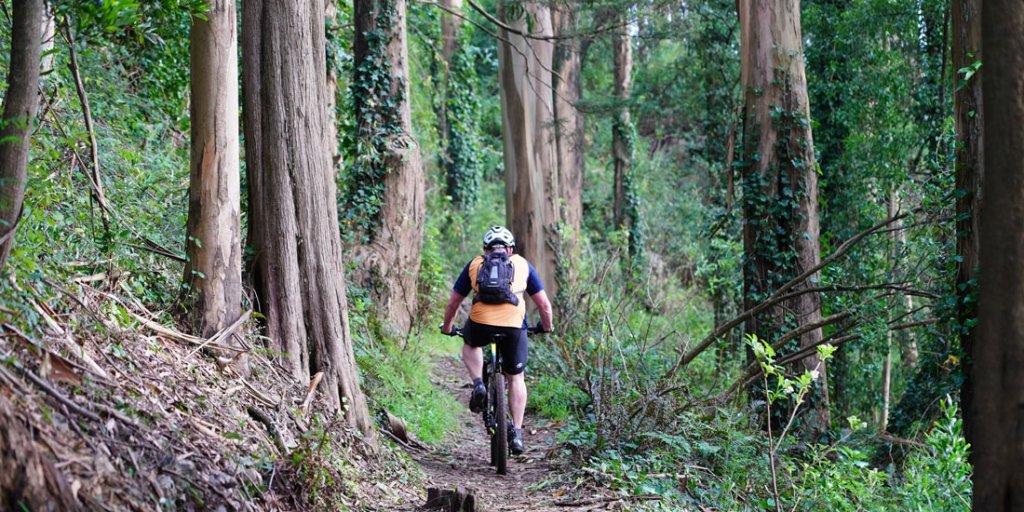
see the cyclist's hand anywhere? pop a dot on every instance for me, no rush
(539, 329)
(453, 332)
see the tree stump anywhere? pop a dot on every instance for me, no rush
(458, 500)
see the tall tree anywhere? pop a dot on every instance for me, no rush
(626, 211)
(297, 265)
(531, 174)
(780, 189)
(213, 271)
(569, 136)
(387, 162)
(19, 114)
(457, 106)
(999, 349)
(968, 115)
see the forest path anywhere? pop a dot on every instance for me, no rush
(463, 461)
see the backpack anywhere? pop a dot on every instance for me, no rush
(494, 280)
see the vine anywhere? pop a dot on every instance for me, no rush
(376, 95)
(461, 156)
(625, 131)
(771, 202)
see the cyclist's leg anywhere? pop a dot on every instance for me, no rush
(514, 355)
(516, 397)
(472, 354)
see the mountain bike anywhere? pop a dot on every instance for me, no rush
(496, 415)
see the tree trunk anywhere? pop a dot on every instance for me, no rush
(449, 41)
(531, 175)
(19, 114)
(780, 204)
(999, 349)
(625, 204)
(569, 138)
(391, 260)
(969, 117)
(294, 232)
(213, 271)
(622, 126)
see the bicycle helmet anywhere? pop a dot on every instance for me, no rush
(498, 235)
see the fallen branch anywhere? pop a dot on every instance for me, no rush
(167, 331)
(64, 337)
(222, 334)
(30, 375)
(275, 434)
(310, 391)
(606, 499)
(778, 296)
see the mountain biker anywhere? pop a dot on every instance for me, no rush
(487, 319)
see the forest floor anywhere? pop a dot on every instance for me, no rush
(536, 480)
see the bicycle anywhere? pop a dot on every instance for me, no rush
(496, 414)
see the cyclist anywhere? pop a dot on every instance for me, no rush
(508, 318)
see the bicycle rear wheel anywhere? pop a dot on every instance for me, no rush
(499, 441)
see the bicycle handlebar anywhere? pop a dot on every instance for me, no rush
(457, 331)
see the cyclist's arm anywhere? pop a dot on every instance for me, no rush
(461, 289)
(544, 308)
(449, 311)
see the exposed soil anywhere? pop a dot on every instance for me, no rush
(533, 481)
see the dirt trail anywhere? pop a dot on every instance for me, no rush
(463, 461)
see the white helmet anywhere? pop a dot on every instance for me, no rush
(498, 235)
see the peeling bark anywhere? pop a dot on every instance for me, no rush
(213, 272)
(531, 171)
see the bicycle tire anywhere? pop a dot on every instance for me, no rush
(499, 441)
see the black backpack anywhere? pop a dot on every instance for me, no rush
(494, 280)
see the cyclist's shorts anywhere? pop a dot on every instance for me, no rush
(513, 347)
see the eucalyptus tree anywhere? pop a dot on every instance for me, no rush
(19, 112)
(525, 56)
(998, 441)
(213, 271)
(968, 114)
(385, 180)
(625, 208)
(293, 229)
(780, 188)
(569, 136)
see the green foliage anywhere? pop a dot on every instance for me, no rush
(376, 94)
(397, 377)
(462, 158)
(326, 476)
(939, 477)
(554, 398)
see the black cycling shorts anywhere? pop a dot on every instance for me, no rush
(513, 347)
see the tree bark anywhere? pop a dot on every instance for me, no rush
(997, 415)
(450, 25)
(294, 230)
(531, 174)
(969, 118)
(213, 271)
(391, 260)
(781, 228)
(569, 139)
(19, 114)
(622, 126)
